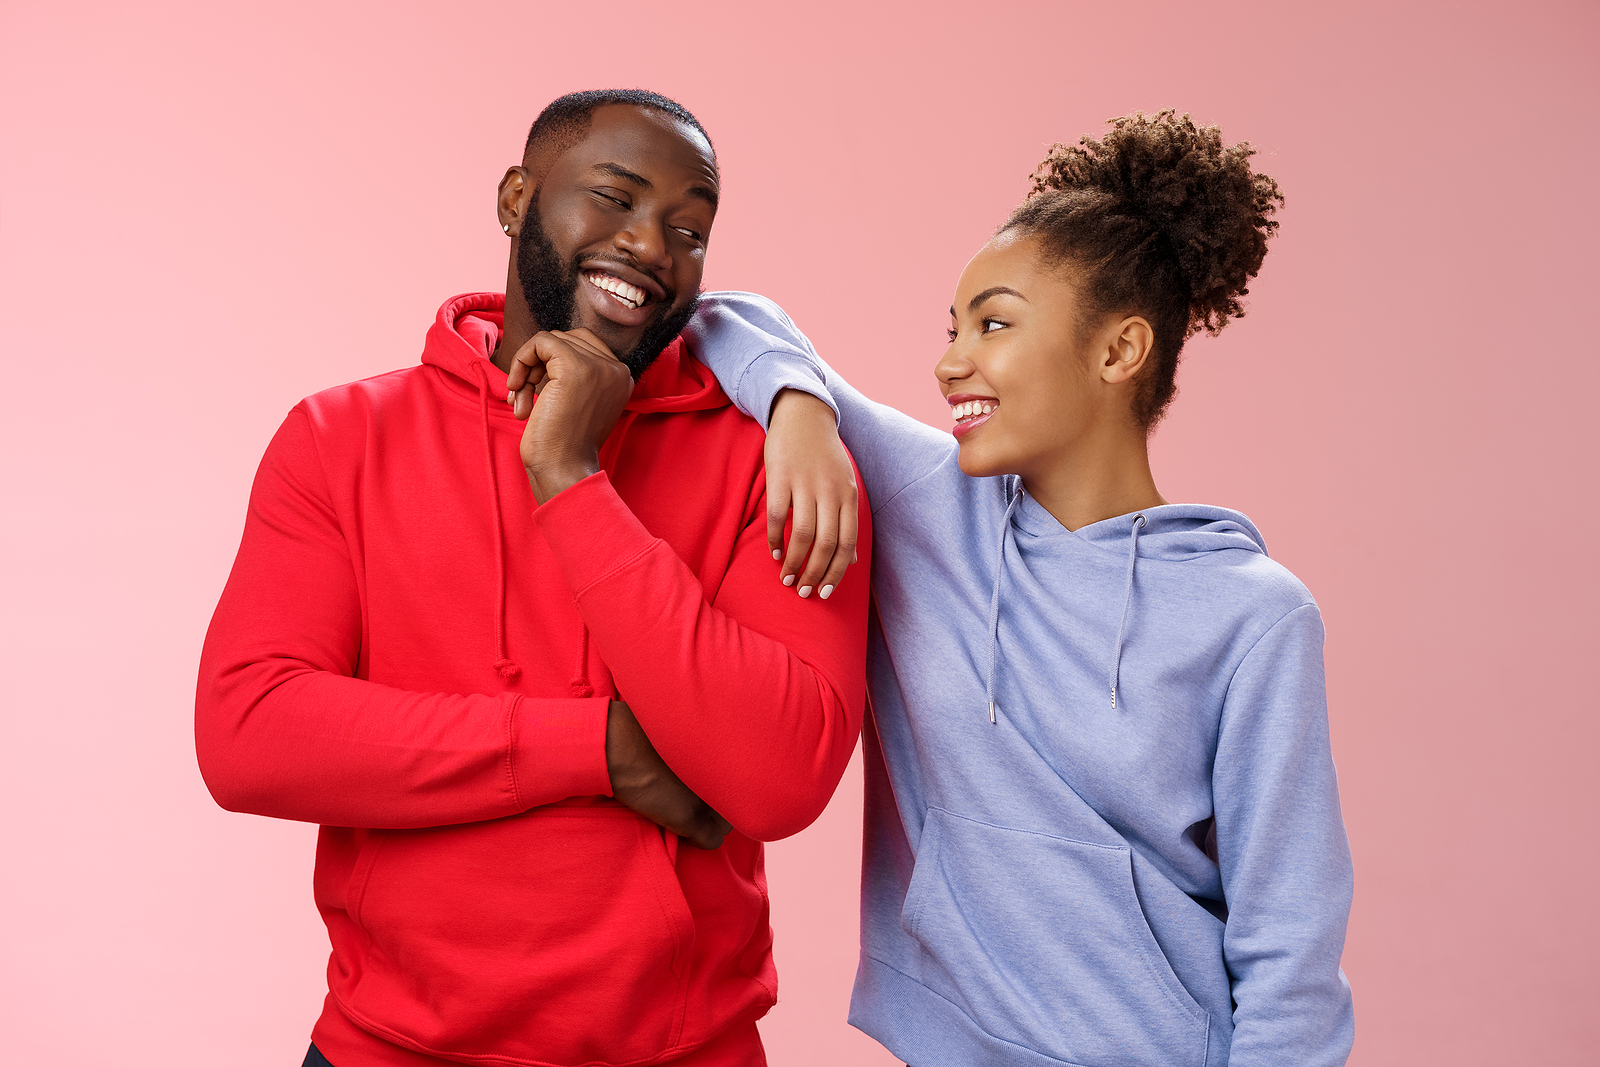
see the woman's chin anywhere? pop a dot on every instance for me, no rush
(974, 463)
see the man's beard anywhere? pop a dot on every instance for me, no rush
(550, 288)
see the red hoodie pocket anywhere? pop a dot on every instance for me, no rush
(556, 937)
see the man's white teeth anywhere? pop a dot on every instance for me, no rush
(972, 408)
(631, 295)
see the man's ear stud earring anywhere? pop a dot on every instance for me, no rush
(506, 226)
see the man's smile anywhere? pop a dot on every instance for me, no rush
(619, 294)
(630, 295)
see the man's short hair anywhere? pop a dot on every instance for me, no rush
(565, 120)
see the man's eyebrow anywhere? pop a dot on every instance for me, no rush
(618, 171)
(703, 192)
(993, 290)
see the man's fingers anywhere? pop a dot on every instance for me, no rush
(583, 337)
(527, 364)
(709, 830)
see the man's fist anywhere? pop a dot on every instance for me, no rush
(642, 780)
(582, 389)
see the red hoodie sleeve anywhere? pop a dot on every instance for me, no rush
(283, 728)
(754, 699)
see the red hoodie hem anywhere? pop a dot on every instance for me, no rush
(344, 1044)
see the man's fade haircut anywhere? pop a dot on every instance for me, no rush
(565, 120)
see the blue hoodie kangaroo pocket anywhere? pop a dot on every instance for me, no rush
(1041, 941)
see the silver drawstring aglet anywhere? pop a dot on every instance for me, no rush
(991, 711)
(1113, 698)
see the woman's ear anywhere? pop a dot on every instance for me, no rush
(512, 202)
(1127, 347)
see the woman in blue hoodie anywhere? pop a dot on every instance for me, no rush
(1103, 826)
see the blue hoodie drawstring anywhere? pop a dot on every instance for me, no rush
(994, 601)
(1127, 600)
(503, 666)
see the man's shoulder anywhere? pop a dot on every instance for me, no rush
(361, 399)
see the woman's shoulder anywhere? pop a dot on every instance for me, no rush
(1222, 554)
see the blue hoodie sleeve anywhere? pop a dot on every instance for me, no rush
(1283, 854)
(756, 352)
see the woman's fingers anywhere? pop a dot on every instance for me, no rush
(843, 555)
(777, 515)
(809, 477)
(802, 533)
(822, 538)
(823, 545)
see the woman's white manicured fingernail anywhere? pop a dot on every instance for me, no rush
(826, 592)
(777, 553)
(788, 579)
(805, 590)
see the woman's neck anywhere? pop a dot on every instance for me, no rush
(1098, 480)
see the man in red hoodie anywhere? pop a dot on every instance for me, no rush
(506, 689)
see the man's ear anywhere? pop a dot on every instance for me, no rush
(1128, 345)
(512, 203)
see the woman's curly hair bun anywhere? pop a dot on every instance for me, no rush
(1159, 217)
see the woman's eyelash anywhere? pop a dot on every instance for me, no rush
(952, 332)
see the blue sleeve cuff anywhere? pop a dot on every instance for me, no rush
(769, 375)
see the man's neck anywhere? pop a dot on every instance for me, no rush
(518, 328)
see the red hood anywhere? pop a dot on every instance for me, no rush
(467, 330)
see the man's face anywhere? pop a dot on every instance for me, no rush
(614, 238)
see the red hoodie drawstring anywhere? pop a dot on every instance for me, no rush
(580, 683)
(503, 666)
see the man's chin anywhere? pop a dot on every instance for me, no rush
(617, 337)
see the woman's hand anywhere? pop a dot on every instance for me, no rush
(809, 472)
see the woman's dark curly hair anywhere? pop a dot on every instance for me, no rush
(1157, 219)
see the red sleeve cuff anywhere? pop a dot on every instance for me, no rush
(558, 749)
(591, 531)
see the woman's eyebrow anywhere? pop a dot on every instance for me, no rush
(993, 290)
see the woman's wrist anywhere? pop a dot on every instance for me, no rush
(796, 406)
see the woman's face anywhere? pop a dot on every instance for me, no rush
(1023, 387)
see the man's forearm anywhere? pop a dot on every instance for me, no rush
(292, 742)
(755, 701)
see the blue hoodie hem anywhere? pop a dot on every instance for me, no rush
(926, 1030)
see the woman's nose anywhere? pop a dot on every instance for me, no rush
(953, 365)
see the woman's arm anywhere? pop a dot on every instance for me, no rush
(766, 364)
(1283, 854)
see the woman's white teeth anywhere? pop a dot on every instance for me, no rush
(631, 295)
(972, 408)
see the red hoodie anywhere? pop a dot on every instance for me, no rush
(410, 645)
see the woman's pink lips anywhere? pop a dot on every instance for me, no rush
(966, 426)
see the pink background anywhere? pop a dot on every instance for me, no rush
(209, 210)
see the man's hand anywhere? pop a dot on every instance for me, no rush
(809, 471)
(642, 781)
(582, 389)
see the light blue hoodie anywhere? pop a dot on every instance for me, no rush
(1140, 859)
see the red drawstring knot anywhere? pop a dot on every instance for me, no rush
(506, 669)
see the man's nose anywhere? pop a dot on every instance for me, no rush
(646, 241)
